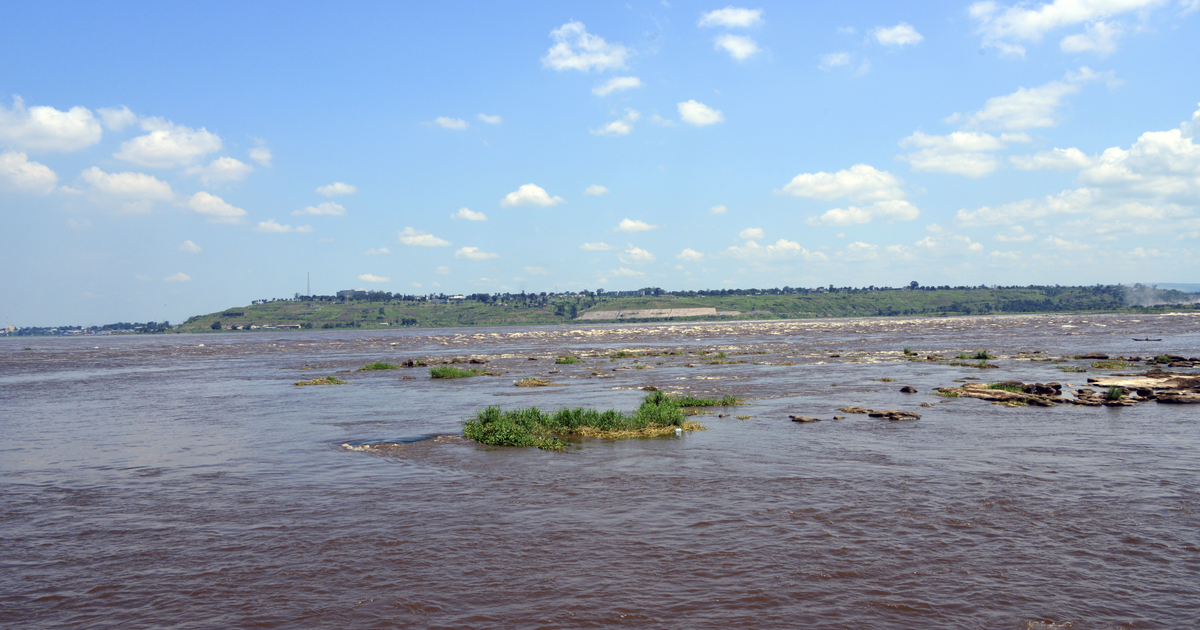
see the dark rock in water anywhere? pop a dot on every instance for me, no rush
(908, 390)
(1094, 355)
(478, 361)
(532, 359)
(839, 417)
(722, 415)
(893, 414)
(1179, 398)
(804, 419)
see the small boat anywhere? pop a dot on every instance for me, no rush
(1146, 339)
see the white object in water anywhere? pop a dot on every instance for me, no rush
(678, 431)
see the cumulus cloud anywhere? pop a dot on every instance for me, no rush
(751, 234)
(537, 271)
(370, 277)
(190, 248)
(860, 182)
(1056, 159)
(378, 252)
(451, 123)
(902, 34)
(1159, 165)
(961, 152)
(1014, 234)
(689, 255)
(409, 236)
(780, 250)
(328, 208)
(699, 114)
(216, 209)
(1001, 26)
(179, 277)
(1027, 108)
(474, 253)
(621, 126)
(623, 273)
(17, 172)
(43, 128)
(596, 247)
(636, 256)
(576, 49)
(718, 210)
(469, 214)
(117, 119)
(595, 190)
(834, 60)
(1100, 38)
(168, 144)
(633, 225)
(133, 185)
(617, 84)
(262, 155)
(491, 120)
(889, 210)
(271, 226)
(224, 169)
(731, 17)
(336, 189)
(529, 195)
(739, 47)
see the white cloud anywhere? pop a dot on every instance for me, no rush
(731, 17)
(271, 226)
(636, 256)
(623, 272)
(1000, 25)
(179, 277)
(690, 255)
(409, 236)
(889, 210)
(117, 119)
(190, 247)
(781, 249)
(474, 253)
(262, 155)
(860, 182)
(17, 172)
(168, 145)
(718, 210)
(216, 209)
(43, 128)
(902, 34)
(596, 247)
(336, 189)
(529, 195)
(595, 190)
(576, 49)
(1100, 38)
(751, 234)
(328, 208)
(617, 84)
(739, 47)
(1015, 234)
(370, 277)
(377, 252)
(961, 152)
(1056, 159)
(1005, 255)
(442, 270)
(223, 169)
(1159, 165)
(633, 225)
(1027, 108)
(451, 123)
(537, 271)
(491, 120)
(619, 127)
(135, 185)
(469, 214)
(699, 114)
(834, 60)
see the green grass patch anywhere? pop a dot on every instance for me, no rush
(449, 371)
(378, 365)
(568, 360)
(1071, 368)
(725, 401)
(1114, 393)
(326, 380)
(657, 415)
(949, 394)
(1110, 365)
(1006, 387)
(720, 355)
(623, 354)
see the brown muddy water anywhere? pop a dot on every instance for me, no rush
(182, 481)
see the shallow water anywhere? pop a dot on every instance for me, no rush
(184, 481)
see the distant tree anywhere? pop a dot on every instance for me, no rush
(216, 325)
(914, 285)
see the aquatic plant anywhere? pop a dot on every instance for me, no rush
(908, 352)
(720, 355)
(1071, 368)
(727, 400)
(449, 371)
(568, 359)
(378, 365)
(532, 382)
(328, 380)
(982, 355)
(657, 415)
(1110, 365)
(1008, 387)
(1114, 393)
(623, 354)
(949, 393)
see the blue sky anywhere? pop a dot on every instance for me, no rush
(159, 161)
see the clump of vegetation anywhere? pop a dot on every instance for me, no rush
(908, 352)
(378, 365)
(742, 417)
(567, 359)
(949, 393)
(327, 380)
(1114, 393)
(1110, 365)
(532, 382)
(1071, 368)
(449, 371)
(886, 379)
(1008, 387)
(725, 401)
(720, 355)
(657, 415)
(623, 354)
(1162, 358)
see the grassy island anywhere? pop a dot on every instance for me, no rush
(659, 414)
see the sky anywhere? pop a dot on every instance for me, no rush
(159, 161)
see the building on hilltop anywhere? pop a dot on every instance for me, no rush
(351, 294)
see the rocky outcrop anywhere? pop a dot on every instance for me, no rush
(889, 414)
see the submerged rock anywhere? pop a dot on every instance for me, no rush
(804, 419)
(907, 389)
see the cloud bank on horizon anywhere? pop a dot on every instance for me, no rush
(724, 146)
